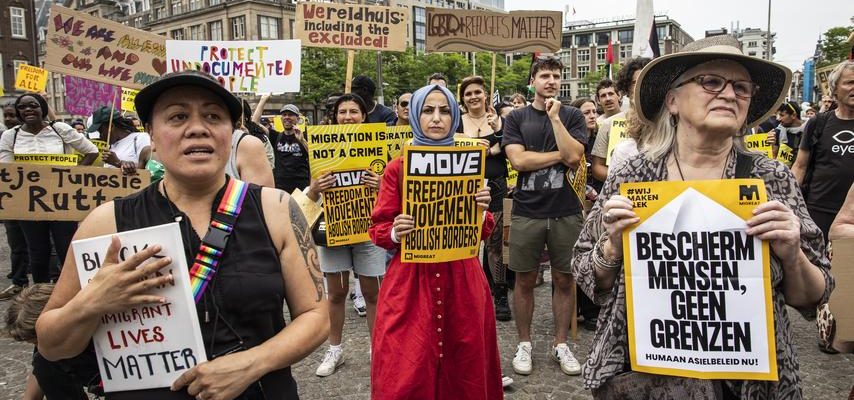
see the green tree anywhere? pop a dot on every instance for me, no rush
(835, 46)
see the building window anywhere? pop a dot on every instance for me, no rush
(195, 5)
(566, 75)
(196, 33)
(583, 89)
(176, 7)
(159, 13)
(626, 36)
(565, 92)
(565, 57)
(752, 53)
(238, 28)
(420, 32)
(601, 54)
(751, 44)
(269, 27)
(625, 52)
(420, 47)
(215, 28)
(215, 2)
(177, 34)
(419, 15)
(582, 71)
(602, 38)
(582, 40)
(582, 56)
(661, 31)
(19, 22)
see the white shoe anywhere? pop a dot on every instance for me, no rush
(522, 363)
(359, 306)
(506, 381)
(331, 361)
(563, 356)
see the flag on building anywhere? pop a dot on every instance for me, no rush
(609, 59)
(645, 42)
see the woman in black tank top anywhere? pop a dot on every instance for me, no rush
(263, 265)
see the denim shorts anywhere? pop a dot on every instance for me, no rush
(365, 259)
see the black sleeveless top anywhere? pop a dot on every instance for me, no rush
(243, 303)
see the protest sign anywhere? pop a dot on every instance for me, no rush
(397, 137)
(309, 207)
(147, 346)
(698, 290)
(84, 96)
(476, 30)
(439, 186)
(512, 174)
(245, 66)
(841, 300)
(128, 97)
(30, 79)
(758, 142)
(61, 193)
(823, 75)
(578, 179)
(786, 155)
(347, 208)
(352, 26)
(346, 147)
(47, 159)
(90, 47)
(618, 133)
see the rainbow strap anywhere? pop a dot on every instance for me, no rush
(213, 244)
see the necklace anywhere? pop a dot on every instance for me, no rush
(679, 167)
(482, 121)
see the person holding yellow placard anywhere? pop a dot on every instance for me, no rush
(786, 137)
(129, 148)
(698, 102)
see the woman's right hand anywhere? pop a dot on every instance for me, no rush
(321, 183)
(403, 225)
(772, 137)
(119, 286)
(617, 215)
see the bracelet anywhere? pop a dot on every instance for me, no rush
(599, 258)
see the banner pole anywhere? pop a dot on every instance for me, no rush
(351, 56)
(492, 80)
(112, 110)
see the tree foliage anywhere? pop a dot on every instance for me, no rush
(835, 46)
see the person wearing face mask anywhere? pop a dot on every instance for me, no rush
(435, 335)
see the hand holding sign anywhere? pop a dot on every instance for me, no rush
(223, 378)
(403, 225)
(775, 222)
(321, 183)
(617, 215)
(482, 197)
(371, 179)
(772, 138)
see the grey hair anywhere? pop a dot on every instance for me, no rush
(833, 79)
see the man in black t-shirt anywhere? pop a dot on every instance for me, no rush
(542, 141)
(291, 170)
(825, 163)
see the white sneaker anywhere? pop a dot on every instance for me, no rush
(331, 361)
(563, 356)
(359, 305)
(506, 380)
(522, 361)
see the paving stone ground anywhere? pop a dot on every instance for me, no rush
(824, 376)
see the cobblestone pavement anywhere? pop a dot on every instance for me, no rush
(824, 376)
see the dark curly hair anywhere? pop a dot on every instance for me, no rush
(624, 77)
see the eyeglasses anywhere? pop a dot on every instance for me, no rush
(403, 103)
(716, 84)
(28, 106)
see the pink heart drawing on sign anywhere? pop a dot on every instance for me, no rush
(159, 66)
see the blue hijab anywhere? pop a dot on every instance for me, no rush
(415, 105)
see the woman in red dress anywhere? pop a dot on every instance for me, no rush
(434, 335)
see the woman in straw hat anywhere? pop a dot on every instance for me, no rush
(697, 104)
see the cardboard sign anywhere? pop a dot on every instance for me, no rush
(84, 96)
(352, 26)
(758, 142)
(841, 300)
(512, 175)
(823, 75)
(786, 155)
(251, 66)
(98, 49)
(398, 136)
(439, 186)
(347, 147)
(618, 133)
(30, 78)
(476, 30)
(47, 159)
(698, 288)
(578, 179)
(148, 346)
(347, 208)
(309, 208)
(128, 97)
(61, 193)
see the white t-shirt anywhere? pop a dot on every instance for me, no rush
(60, 138)
(129, 148)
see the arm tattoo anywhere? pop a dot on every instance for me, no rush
(306, 246)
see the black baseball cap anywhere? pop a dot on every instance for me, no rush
(146, 97)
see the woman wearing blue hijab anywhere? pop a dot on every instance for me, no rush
(434, 335)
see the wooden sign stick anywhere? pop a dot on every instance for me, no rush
(492, 81)
(110, 123)
(351, 57)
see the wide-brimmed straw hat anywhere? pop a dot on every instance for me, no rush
(658, 76)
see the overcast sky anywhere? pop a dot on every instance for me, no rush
(798, 24)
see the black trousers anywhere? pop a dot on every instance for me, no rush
(18, 247)
(39, 235)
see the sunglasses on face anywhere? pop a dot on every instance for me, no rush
(403, 103)
(716, 84)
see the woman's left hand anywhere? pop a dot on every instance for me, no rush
(128, 167)
(483, 198)
(111, 158)
(776, 223)
(371, 179)
(223, 378)
(492, 120)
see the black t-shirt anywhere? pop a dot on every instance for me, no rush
(291, 170)
(833, 155)
(382, 113)
(544, 193)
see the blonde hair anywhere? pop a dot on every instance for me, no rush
(658, 139)
(24, 311)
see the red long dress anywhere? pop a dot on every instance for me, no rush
(434, 335)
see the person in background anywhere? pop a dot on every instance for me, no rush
(38, 135)
(401, 109)
(130, 149)
(329, 114)
(250, 156)
(518, 101)
(265, 122)
(10, 117)
(365, 88)
(608, 99)
(809, 113)
(438, 78)
(789, 129)
(826, 103)
(251, 126)
(79, 125)
(291, 169)
(18, 258)
(503, 109)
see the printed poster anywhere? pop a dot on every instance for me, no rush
(698, 289)
(512, 174)
(347, 207)
(578, 179)
(439, 186)
(346, 147)
(47, 159)
(398, 136)
(786, 155)
(30, 78)
(618, 133)
(128, 98)
(241, 66)
(147, 346)
(759, 142)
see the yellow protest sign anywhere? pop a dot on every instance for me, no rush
(398, 136)
(347, 207)
(618, 133)
(439, 184)
(30, 78)
(698, 288)
(128, 96)
(47, 159)
(512, 174)
(758, 142)
(786, 155)
(578, 179)
(346, 147)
